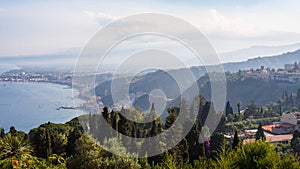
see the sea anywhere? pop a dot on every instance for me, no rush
(26, 105)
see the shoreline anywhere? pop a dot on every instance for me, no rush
(58, 83)
(64, 106)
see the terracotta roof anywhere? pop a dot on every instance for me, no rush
(269, 127)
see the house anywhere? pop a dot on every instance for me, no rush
(289, 122)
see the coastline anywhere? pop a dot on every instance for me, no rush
(18, 112)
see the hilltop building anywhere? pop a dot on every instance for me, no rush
(290, 73)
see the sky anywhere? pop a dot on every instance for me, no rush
(42, 27)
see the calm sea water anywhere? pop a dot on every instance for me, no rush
(27, 105)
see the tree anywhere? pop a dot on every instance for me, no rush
(251, 110)
(91, 155)
(280, 101)
(15, 152)
(195, 148)
(124, 124)
(216, 142)
(228, 109)
(295, 142)
(285, 94)
(73, 136)
(255, 155)
(207, 108)
(261, 111)
(260, 133)
(115, 118)
(49, 138)
(152, 108)
(258, 154)
(171, 118)
(87, 154)
(169, 162)
(12, 131)
(2, 133)
(14, 146)
(105, 114)
(296, 66)
(291, 99)
(236, 140)
(144, 163)
(298, 96)
(239, 104)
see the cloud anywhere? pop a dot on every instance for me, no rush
(2, 9)
(100, 17)
(217, 22)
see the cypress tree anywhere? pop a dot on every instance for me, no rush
(280, 101)
(2, 133)
(152, 108)
(260, 133)
(298, 96)
(48, 142)
(236, 140)
(228, 109)
(239, 104)
(105, 114)
(73, 136)
(154, 129)
(295, 141)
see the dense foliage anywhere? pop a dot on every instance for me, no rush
(79, 143)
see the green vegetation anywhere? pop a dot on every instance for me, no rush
(260, 135)
(80, 145)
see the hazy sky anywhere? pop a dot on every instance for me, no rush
(40, 27)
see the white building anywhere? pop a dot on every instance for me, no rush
(289, 122)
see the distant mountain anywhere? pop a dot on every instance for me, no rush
(66, 59)
(60, 61)
(275, 62)
(256, 51)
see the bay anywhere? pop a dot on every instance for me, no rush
(27, 105)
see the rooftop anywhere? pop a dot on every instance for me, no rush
(273, 138)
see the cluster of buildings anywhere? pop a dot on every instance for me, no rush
(278, 132)
(21, 76)
(289, 122)
(290, 73)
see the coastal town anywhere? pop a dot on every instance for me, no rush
(26, 76)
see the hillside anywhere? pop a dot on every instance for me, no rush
(260, 91)
(256, 51)
(251, 89)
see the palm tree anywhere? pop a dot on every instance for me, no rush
(14, 146)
